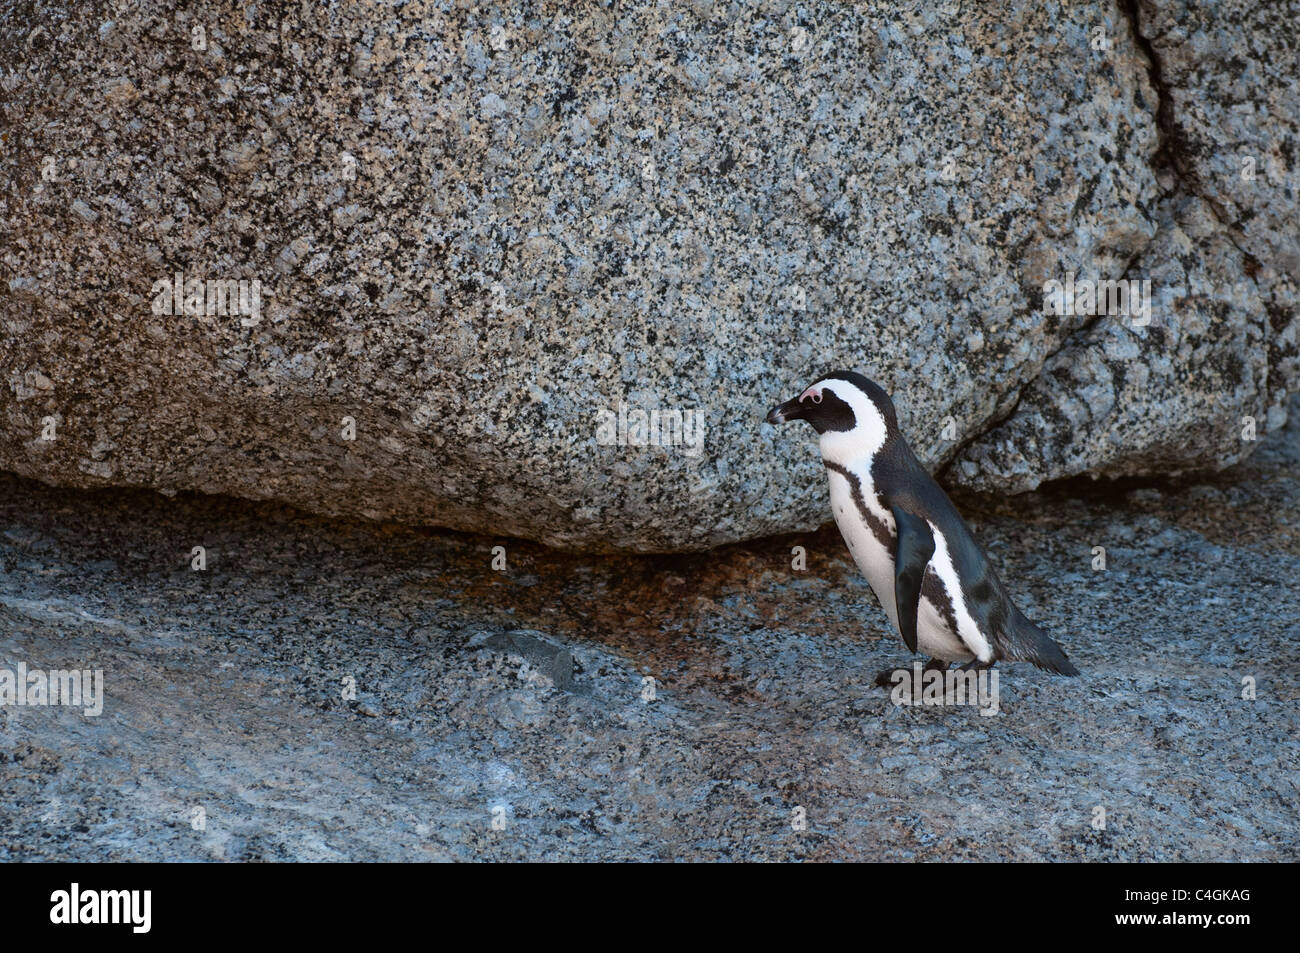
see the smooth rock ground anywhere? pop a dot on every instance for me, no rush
(224, 689)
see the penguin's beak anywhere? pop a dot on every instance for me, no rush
(790, 410)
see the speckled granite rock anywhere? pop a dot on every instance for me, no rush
(474, 231)
(1231, 74)
(1190, 387)
(1223, 350)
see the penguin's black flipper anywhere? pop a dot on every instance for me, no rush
(915, 547)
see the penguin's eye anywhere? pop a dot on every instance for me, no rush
(816, 397)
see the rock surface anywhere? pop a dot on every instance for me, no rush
(225, 733)
(475, 230)
(1221, 354)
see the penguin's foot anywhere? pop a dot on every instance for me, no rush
(975, 665)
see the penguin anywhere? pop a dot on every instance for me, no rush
(933, 580)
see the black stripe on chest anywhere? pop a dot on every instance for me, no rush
(874, 523)
(932, 587)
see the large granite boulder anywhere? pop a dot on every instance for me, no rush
(481, 252)
(1210, 375)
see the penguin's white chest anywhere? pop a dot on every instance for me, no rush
(874, 557)
(862, 521)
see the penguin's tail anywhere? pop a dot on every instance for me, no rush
(1029, 643)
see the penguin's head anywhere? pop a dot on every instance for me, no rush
(850, 412)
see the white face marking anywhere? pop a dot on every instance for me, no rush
(853, 449)
(859, 445)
